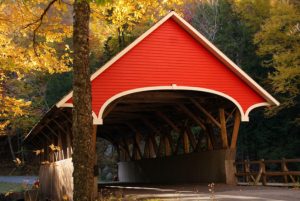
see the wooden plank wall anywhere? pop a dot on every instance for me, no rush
(56, 181)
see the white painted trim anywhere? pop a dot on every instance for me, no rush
(256, 106)
(62, 102)
(229, 63)
(244, 116)
(200, 38)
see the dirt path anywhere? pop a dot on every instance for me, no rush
(201, 192)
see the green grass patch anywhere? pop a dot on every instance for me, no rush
(6, 187)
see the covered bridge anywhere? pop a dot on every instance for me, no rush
(171, 103)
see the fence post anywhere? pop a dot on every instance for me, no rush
(247, 169)
(263, 172)
(284, 170)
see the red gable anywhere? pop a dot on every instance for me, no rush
(172, 55)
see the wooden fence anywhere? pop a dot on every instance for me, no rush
(269, 172)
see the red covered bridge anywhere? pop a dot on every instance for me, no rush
(171, 103)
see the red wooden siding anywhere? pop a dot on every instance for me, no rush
(167, 56)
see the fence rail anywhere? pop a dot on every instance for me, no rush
(268, 172)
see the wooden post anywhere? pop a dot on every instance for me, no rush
(263, 172)
(191, 138)
(60, 145)
(146, 148)
(236, 126)
(223, 128)
(186, 143)
(206, 113)
(160, 146)
(152, 147)
(168, 150)
(247, 170)
(284, 169)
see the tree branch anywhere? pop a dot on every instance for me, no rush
(40, 22)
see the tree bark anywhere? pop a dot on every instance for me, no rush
(84, 152)
(11, 147)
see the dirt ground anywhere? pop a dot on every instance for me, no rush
(200, 192)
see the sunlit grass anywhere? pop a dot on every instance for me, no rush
(6, 187)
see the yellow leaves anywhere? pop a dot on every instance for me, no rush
(279, 38)
(38, 151)
(11, 108)
(65, 197)
(54, 148)
(17, 162)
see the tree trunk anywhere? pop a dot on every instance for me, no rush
(83, 153)
(11, 147)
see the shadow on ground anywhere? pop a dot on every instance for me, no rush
(200, 192)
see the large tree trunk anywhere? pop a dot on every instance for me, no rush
(83, 153)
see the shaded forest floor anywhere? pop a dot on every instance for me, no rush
(200, 192)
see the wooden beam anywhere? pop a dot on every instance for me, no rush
(168, 149)
(179, 140)
(152, 146)
(59, 126)
(146, 148)
(137, 139)
(160, 146)
(206, 112)
(186, 143)
(192, 116)
(223, 128)
(109, 109)
(191, 137)
(236, 126)
(230, 114)
(66, 116)
(167, 120)
(51, 130)
(151, 126)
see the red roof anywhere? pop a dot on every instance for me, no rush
(173, 55)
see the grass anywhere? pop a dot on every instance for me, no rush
(7, 187)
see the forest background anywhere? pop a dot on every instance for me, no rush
(260, 36)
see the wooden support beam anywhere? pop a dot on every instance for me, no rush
(59, 126)
(168, 150)
(152, 146)
(136, 144)
(191, 137)
(210, 117)
(179, 140)
(65, 116)
(109, 109)
(151, 126)
(230, 114)
(168, 121)
(45, 135)
(160, 146)
(223, 128)
(51, 130)
(192, 116)
(146, 148)
(126, 145)
(186, 143)
(236, 126)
